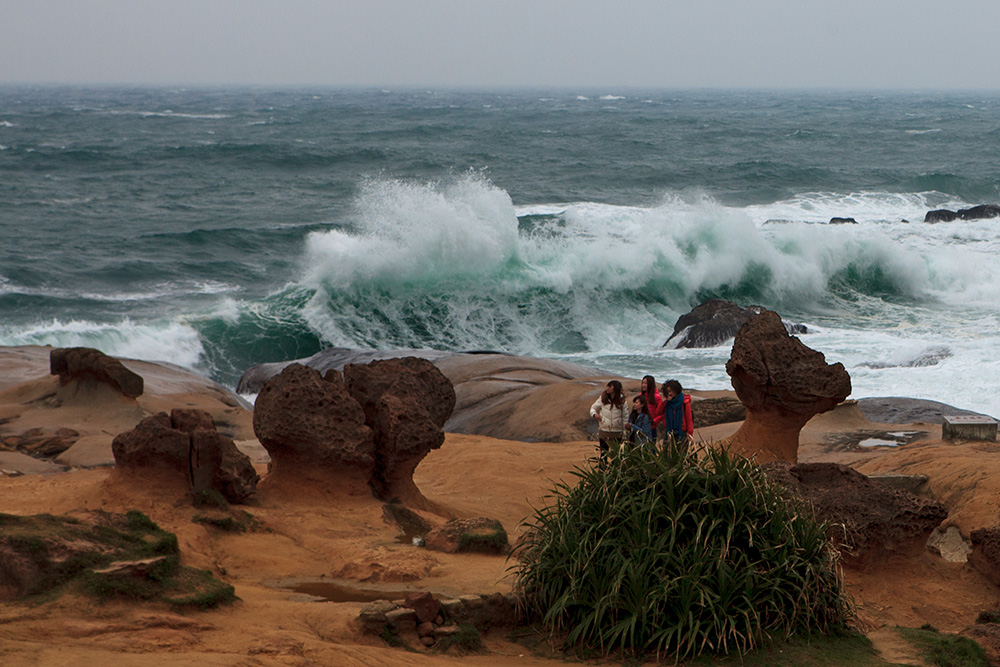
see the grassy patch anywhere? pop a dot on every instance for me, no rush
(945, 650)
(234, 522)
(67, 552)
(660, 553)
(466, 641)
(494, 542)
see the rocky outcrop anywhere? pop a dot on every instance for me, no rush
(186, 444)
(481, 611)
(406, 402)
(711, 411)
(370, 427)
(480, 535)
(714, 322)
(497, 395)
(985, 555)
(783, 384)
(868, 520)
(312, 428)
(87, 364)
(980, 212)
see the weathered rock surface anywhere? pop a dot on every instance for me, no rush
(900, 410)
(985, 555)
(479, 535)
(714, 322)
(311, 426)
(869, 520)
(712, 411)
(783, 384)
(84, 363)
(497, 395)
(406, 402)
(980, 212)
(187, 444)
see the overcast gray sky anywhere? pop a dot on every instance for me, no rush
(911, 44)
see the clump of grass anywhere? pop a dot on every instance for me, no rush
(236, 522)
(210, 498)
(466, 641)
(111, 538)
(945, 650)
(659, 552)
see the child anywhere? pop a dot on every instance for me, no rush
(640, 423)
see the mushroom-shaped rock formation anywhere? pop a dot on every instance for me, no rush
(313, 429)
(783, 384)
(87, 364)
(869, 520)
(406, 402)
(187, 445)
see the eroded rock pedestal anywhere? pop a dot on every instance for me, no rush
(783, 384)
(367, 429)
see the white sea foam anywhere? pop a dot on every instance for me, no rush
(174, 342)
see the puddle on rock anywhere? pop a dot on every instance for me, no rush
(344, 591)
(870, 439)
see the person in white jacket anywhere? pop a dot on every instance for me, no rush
(611, 414)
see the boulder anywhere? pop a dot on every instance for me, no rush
(843, 221)
(980, 212)
(869, 520)
(186, 443)
(712, 411)
(84, 363)
(311, 426)
(480, 535)
(714, 322)
(424, 604)
(406, 402)
(783, 384)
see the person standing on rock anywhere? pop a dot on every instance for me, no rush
(677, 418)
(654, 404)
(609, 411)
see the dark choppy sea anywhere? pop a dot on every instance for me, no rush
(217, 229)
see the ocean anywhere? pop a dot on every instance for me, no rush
(220, 228)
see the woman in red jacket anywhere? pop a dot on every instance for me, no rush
(654, 403)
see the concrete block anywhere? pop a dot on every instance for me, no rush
(968, 427)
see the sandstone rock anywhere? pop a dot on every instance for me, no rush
(714, 322)
(313, 427)
(187, 444)
(406, 403)
(84, 363)
(870, 520)
(783, 384)
(712, 411)
(423, 603)
(985, 555)
(479, 535)
(949, 544)
(154, 442)
(40, 442)
(408, 376)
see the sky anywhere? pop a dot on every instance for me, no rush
(611, 44)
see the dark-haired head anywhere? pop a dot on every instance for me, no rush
(671, 388)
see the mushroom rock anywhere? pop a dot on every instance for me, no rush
(312, 428)
(84, 363)
(783, 384)
(187, 445)
(406, 402)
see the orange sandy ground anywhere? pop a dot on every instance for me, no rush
(323, 534)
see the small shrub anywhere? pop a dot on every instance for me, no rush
(466, 640)
(140, 523)
(658, 552)
(988, 617)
